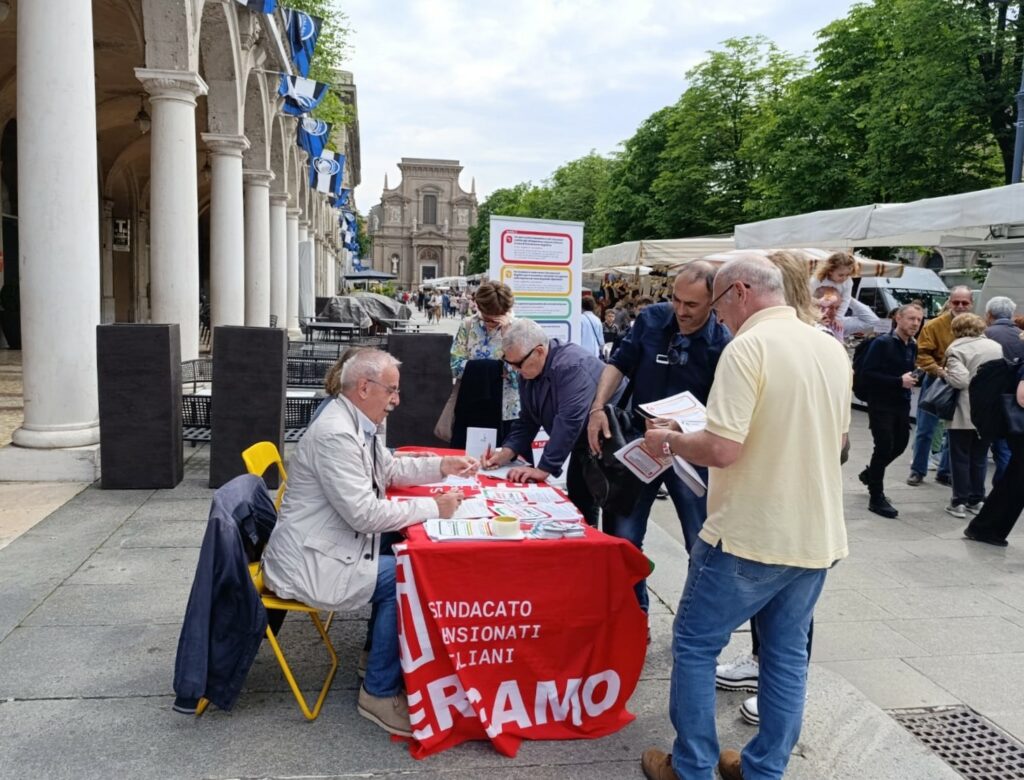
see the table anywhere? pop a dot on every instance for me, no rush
(333, 331)
(536, 639)
(402, 326)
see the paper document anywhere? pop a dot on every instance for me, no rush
(466, 530)
(563, 511)
(471, 508)
(680, 407)
(453, 481)
(480, 441)
(686, 472)
(501, 472)
(639, 461)
(531, 495)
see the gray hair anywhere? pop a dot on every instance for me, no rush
(524, 334)
(1001, 308)
(961, 288)
(366, 364)
(761, 274)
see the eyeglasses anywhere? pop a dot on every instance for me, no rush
(722, 294)
(391, 390)
(677, 354)
(517, 364)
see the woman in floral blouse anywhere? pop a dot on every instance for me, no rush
(479, 338)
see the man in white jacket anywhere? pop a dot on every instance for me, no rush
(325, 549)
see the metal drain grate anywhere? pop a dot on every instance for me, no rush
(973, 746)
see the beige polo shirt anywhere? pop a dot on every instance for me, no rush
(782, 390)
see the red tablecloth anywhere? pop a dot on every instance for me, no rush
(536, 639)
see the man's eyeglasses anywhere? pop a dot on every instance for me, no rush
(677, 354)
(722, 294)
(517, 364)
(391, 390)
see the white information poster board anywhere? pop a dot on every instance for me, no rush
(542, 261)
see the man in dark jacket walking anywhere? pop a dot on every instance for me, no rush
(888, 376)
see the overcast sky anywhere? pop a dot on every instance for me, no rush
(514, 89)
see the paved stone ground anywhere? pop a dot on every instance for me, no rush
(91, 601)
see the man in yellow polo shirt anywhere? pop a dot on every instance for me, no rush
(778, 414)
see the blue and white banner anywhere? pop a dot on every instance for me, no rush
(342, 199)
(303, 30)
(326, 172)
(300, 95)
(259, 6)
(313, 135)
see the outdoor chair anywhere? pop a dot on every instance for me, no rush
(273, 602)
(260, 457)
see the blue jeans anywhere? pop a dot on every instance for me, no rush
(383, 671)
(1001, 456)
(923, 436)
(722, 592)
(692, 512)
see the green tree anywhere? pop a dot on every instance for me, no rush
(710, 158)
(626, 206)
(897, 108)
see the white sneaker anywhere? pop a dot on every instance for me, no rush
(957, 511)
(975, 508)
(740, 674)
(748, 711)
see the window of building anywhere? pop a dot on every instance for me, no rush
(430, 209)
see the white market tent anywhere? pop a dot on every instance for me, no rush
(866, 266)
(661, 253)
(951, 220)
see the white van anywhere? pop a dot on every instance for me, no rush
(882, 294)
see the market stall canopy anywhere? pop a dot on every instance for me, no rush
(928, 222)
(866, 266)
(659, 253)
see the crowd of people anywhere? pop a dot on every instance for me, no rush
(760, 343)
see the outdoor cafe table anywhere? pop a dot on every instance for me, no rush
(332, 331)
(513, 640)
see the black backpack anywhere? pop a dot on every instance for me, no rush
(993, 380)
(861, 388)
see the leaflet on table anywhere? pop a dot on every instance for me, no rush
(453, 481)
(639, 461)
(686, 472)
(531, 495)
(562, 511)
(681, 407)
(472, 508)
(465, 530)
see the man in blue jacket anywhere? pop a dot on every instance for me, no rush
(888, 370)
(672, 347)
(556, 389)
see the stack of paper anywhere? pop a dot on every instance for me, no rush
(540, 511)
(556, 529)
(532, 495)
(683, 408)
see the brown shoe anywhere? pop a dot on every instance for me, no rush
(657, 765)
(729, 765)
(391, 713)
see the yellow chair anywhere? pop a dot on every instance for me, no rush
(272, 601)
(260, 457)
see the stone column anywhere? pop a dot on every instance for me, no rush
(107, 260)
(142, 308)
(257, 247)
(58, 210)
(227, 229)
(173, 202)
(292, 303)
(279, 258)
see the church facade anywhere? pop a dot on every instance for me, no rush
(420, 228)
